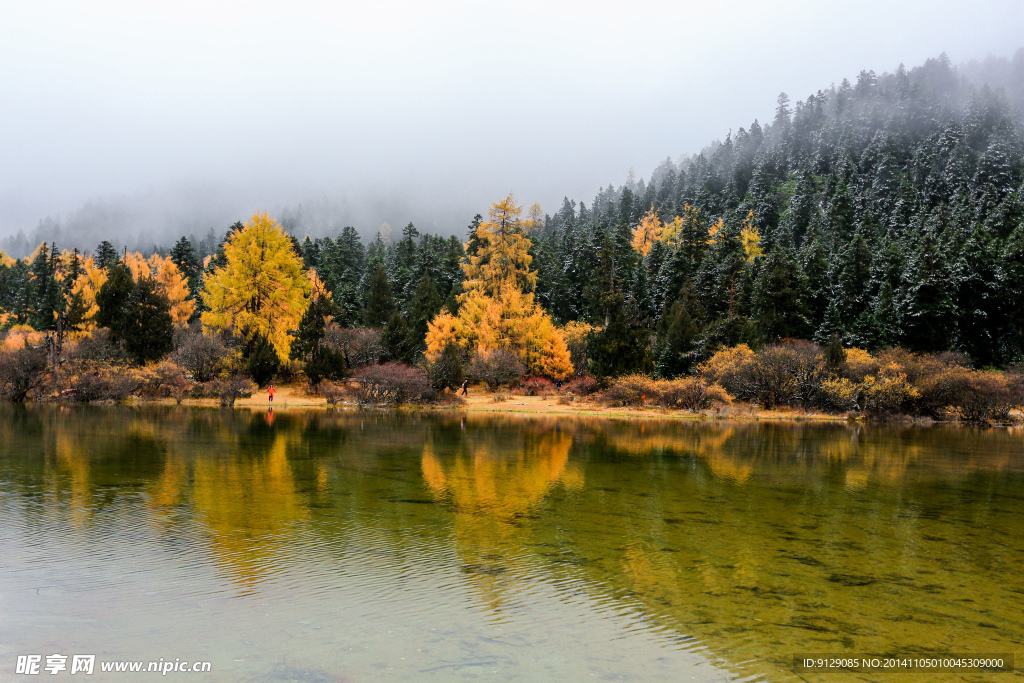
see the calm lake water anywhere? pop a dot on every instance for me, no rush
(321, 547)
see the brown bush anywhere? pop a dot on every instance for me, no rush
(332, 393)
(106, 383)
(96, 346)
(782, 374)
(359, 347)
(537, 386)
(495, 368)
(201, 355)
(231, 388)
(631, 390)
(957, 358)
(166, 379)
(941, 387)
(987, 396)
(392, 383)
(691, 393)
(584, 385)
(21, 371)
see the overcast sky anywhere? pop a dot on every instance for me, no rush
(216, 108)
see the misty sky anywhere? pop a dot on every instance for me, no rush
(213, 109)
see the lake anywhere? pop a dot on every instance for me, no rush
(326, 546)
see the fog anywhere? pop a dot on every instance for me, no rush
(140, 122)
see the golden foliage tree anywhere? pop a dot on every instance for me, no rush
(504, 253)
(262, 289)
(88, 285)
(751, 238)
(497, 309)
(647, 232)
(173, 284)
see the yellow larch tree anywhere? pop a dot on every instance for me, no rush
(647, 232)
(504, 253)
(88, 285)
(497, 310)
(262, 289)
(173, 284)
(137, 265)
(751, 238)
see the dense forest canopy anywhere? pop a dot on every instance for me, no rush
(885, 212)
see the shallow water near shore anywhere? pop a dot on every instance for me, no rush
(321, 547)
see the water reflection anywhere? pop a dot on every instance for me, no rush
(618, 549)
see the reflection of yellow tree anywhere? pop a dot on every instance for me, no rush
(246, 503)
(73, 458)
(492, 483)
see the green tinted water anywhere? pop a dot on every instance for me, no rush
(335, 547)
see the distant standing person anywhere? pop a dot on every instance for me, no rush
(270, 393)
(465, 387)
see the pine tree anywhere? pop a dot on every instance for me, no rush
(396, 337)
(380, 304)
(147, 330)
(106, 256)
(426, 303)
(264, 360)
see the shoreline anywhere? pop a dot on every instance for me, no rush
(482, 402)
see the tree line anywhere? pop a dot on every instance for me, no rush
(885, 213)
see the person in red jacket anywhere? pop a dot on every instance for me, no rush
(270, 392)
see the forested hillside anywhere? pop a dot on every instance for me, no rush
(889, 212)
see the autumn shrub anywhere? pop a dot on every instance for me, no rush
(392, 383)
(332, 393)
(917, 367)
(165, 379)
(783, 374)
(583, 385)
(858, 365)
(889, 392)
(97, 346)
(495, 368)
(691, 393)
(631, 390)
(941, 387)
(729, 367)
(837, 395)
(537, 386)
(231, 388)
(201, 355)
(107, 383)
(986, 396)
(21, 370)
